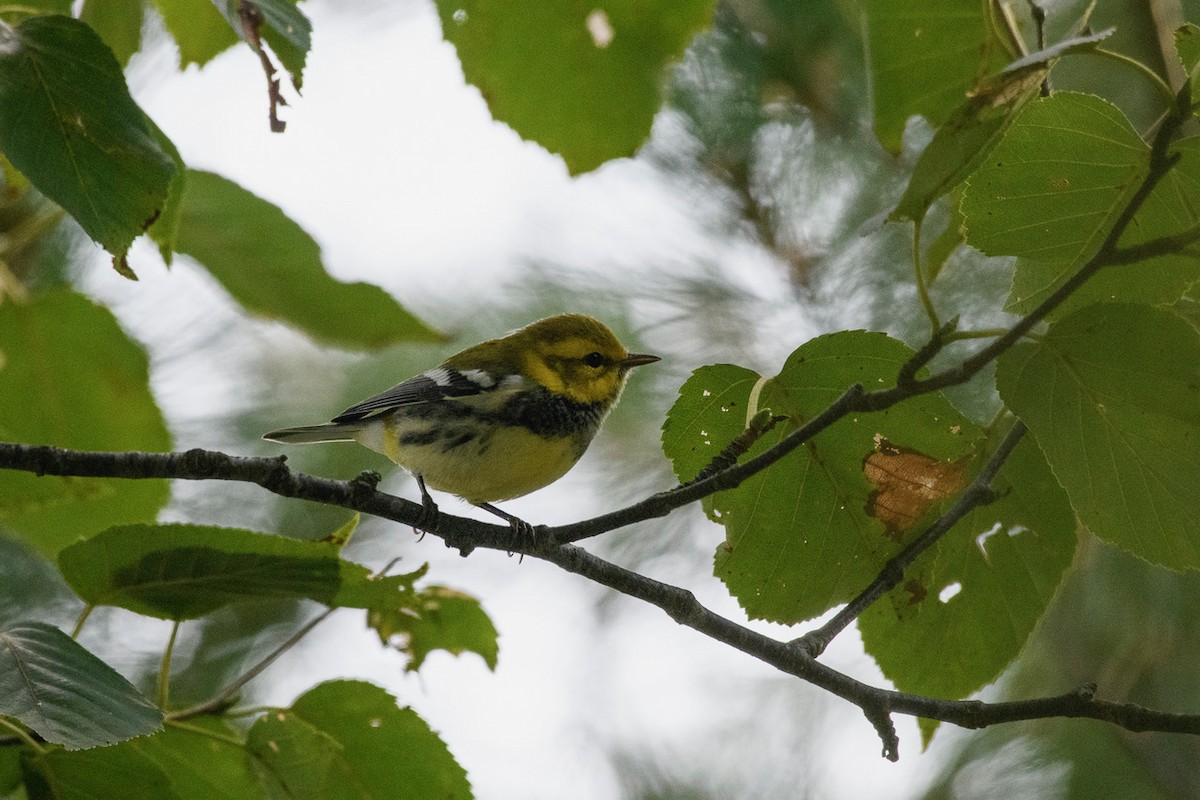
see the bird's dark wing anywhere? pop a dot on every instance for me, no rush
(436, 384)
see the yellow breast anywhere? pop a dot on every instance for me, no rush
(493, 464)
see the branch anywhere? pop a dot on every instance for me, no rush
(681, 605)
(877, 704)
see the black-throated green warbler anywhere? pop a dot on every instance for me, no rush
(497, 420)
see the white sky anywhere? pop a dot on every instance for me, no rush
(395, 166)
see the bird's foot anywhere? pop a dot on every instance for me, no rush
(429, 511)
(524, 534)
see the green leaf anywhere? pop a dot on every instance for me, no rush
(341, 537)
(589, 89)
(347, 739)
(99, 774)
(1054, 185)
(296, 761)
(805, 534)
(971, 602)
(273, 268)
(68, 123)
(1112, 395)
(69, 368)
(186, 571)
(438, 619)
(197, 28)
(119, 23)
(1173, 207)
(1187, 47)
(200, 761)
(924, 58)
(65, 694)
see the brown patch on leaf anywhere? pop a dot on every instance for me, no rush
(906, 483)
(916, 591)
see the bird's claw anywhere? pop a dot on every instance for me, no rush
(429, 511)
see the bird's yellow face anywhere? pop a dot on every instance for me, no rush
(584, 370)
(578, 358)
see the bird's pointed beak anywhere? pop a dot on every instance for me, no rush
(637, 360)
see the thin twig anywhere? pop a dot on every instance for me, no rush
(251, 21)
(759, 426)
(223, 698)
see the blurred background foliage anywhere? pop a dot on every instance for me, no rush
(766, 138)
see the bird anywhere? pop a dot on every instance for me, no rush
(497, 420)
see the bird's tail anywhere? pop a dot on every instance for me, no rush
(313, 434)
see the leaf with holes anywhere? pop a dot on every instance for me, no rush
(974, 598)
(438, 619)
(800, 536)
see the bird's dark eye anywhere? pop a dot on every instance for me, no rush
(593, 359)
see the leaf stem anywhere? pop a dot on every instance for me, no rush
(981, 333)
(919, 280)
(164, 670)
(83, 615)
(1008, 32)
(200, 730)
(248, 711)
